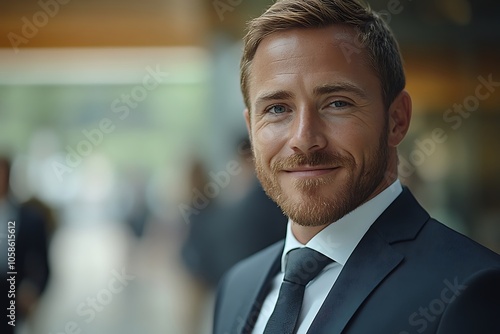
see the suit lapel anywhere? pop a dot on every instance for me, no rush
(360, 275)
(371, 261)
(258, 287)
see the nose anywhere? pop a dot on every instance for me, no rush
(307, 131)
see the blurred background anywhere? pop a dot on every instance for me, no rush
(122, 122)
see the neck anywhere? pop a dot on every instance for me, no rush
(305, 233)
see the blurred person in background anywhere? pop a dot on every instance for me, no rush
(324, 87)
(230, 228)
(137, 213)
(32, 220)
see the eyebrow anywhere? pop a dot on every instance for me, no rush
(274, 95)
(339, 87)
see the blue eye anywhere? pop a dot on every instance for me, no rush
(277, 109)
(339, 104)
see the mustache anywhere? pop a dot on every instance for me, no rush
(320, 158)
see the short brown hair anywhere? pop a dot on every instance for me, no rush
(382, 48)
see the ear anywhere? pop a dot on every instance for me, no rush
(399, 118)
(246, 114)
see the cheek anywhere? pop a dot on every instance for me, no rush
(267, 143)
(359, 142)
(267, 135)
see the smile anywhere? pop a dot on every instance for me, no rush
(310, 171)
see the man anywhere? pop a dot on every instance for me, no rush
(22, 234)
(323, 84)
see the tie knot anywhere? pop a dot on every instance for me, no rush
(303, 264)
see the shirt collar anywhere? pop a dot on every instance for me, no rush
(338, 240)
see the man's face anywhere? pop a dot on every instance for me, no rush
(318, 124)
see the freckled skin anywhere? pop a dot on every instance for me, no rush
(323, 141)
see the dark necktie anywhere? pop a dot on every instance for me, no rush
(303, 264)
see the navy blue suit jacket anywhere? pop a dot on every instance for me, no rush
(408, 274)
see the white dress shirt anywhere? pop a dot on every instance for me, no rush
(337, 241)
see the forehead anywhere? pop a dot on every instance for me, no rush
(335, 35)
(329, 53)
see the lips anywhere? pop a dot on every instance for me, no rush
(310, 171)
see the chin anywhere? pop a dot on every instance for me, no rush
(313, 210)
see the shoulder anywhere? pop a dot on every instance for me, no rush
(245, 271)
(411, 231)
(477, 307)
(449, 242)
